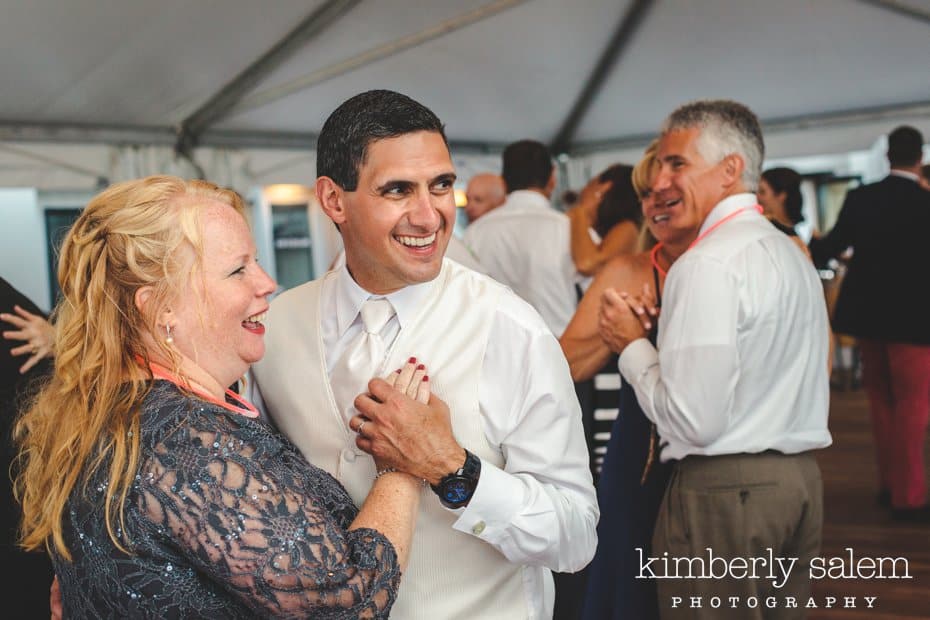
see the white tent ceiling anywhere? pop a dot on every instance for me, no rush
(588, 75)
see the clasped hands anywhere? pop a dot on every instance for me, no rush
(403, 426)
(624, 317)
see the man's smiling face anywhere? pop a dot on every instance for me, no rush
(686, 187)
(397, 223)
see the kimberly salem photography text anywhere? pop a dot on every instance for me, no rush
(772, 567)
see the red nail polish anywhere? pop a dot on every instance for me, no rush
(425, 378)
(412, 360)
(420, 367)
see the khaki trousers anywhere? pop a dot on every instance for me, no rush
(740, 506)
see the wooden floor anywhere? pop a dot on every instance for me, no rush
(853, 519)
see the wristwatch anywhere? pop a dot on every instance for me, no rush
(455, 490)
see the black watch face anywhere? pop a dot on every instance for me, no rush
(457, 491)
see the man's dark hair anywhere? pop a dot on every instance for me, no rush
(905, 147)
(527, 164)
(342, 147)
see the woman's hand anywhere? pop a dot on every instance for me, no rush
(54, 600)
(590, 198)
(411, 380)
(624, 318)
(644, 305)
(37, 333)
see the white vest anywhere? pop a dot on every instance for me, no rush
(450, 574)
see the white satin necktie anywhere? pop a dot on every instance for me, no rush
(363, 356)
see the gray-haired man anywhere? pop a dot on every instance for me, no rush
(738, 388)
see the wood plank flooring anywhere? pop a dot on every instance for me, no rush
(852, 518)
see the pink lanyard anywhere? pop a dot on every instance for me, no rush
(653, 254)
(722, 222)
(247, 409)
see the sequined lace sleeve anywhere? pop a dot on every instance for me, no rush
(251, 514)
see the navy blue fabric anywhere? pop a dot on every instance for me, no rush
(629, 507)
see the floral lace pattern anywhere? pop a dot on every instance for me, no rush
(226, 519)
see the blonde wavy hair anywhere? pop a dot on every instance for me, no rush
(643, 173)
(644, 169)
(145, 232)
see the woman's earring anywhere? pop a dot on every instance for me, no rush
(168, 338)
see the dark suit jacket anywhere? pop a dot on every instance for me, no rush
(884, 293)
(24, 591)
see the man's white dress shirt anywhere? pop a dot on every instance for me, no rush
(742, 353)
(526, 244)
(540, 507)
(459, 252)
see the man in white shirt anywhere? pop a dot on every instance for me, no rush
(738, 388)
(525, 242)
(500, 441)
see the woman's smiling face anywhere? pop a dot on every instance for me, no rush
(216, 323)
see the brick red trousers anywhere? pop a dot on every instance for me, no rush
(896, 378)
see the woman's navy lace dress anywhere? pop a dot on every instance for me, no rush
(226, 519)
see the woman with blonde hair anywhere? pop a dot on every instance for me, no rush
(156, 489)
(632, 479)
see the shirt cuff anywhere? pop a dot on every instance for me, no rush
(636, 360)
(498, 497)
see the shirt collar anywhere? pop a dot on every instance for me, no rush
(727, 206)
(904, 174)
(350, 297)
(527, 198)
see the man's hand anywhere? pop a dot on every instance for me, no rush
(624, 318)
(408, 435)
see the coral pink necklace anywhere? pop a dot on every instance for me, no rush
(246, 408)
(653, 254)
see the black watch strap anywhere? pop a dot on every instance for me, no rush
(455, 489)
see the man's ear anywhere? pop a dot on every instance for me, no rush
(733, 169)
(331, 198)
(551, 183)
